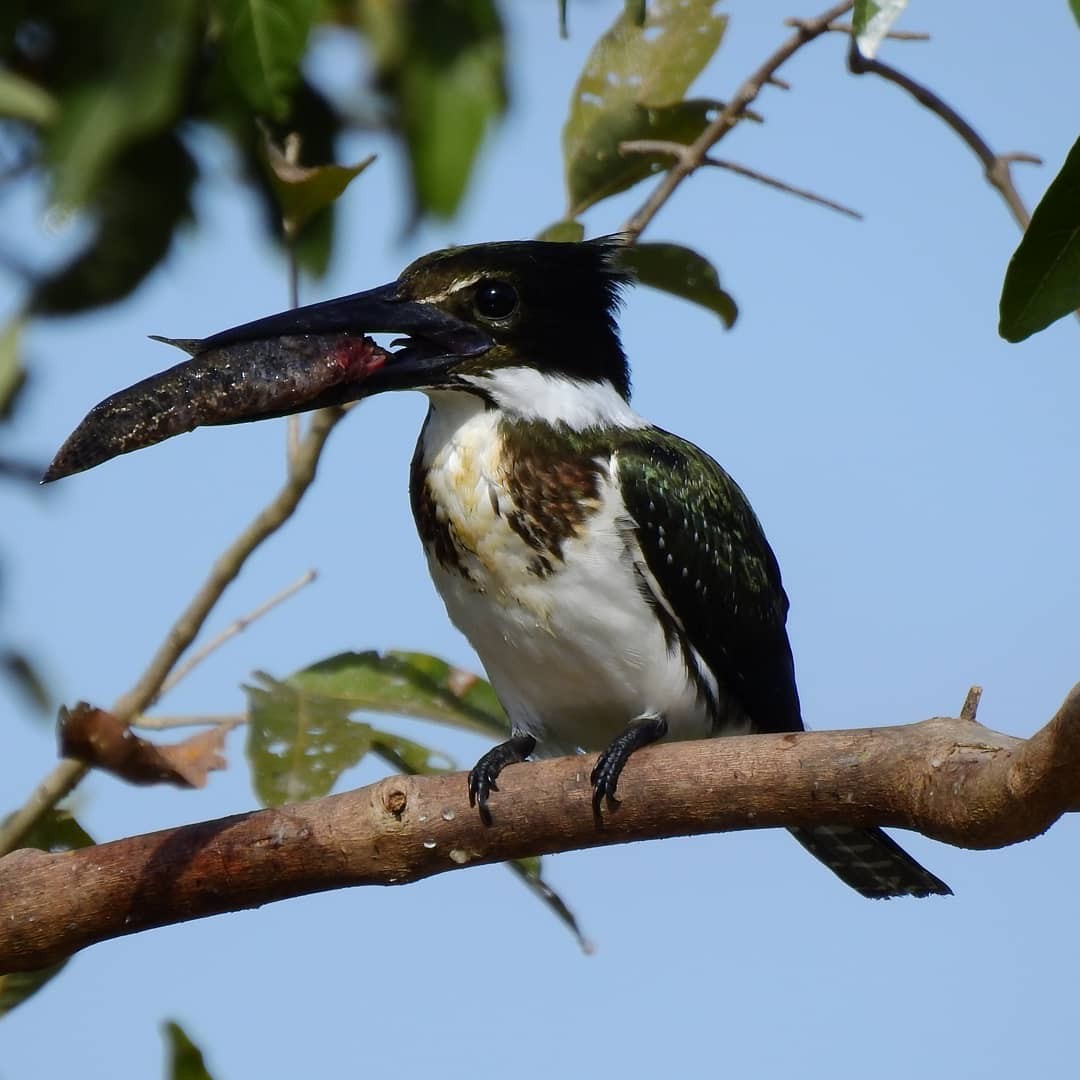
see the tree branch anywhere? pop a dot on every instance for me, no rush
(695, 154)
(951, 779)
(995, 166)
(677, 150)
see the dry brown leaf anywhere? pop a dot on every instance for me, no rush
(100, 739)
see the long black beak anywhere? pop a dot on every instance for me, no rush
(295, 361)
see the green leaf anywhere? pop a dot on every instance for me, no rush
(21, 99)
(303, 190)
(137, 94)
(406, 684)
(138, 211)
(1075, 6)
(632, 88)
(861, 15)
(262, 44)
(301, 737)
(299, 743)
(528, 871)
(442, 65)
(597, 169)
(12, 372)
(56, 831)
(185, 1059)
(681, 272)
(564, 232)
(1042, 282)
(872, 21)
(409, 757)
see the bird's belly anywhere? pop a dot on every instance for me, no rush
(572, 647)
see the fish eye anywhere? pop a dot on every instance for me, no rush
(495, 299)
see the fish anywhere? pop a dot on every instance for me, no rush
(297, 360)
(233, 383)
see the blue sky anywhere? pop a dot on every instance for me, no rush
(915, 474)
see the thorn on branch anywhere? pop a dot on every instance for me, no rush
(971, 703)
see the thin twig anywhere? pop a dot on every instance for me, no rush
(847, 28)
(165, 723)
(292, 423)
(224, 571)
(676, 150)
(695, 155)
(233, 629)
(995, 166)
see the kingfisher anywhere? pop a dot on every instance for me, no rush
(611, 576)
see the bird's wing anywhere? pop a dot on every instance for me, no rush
(706, 550)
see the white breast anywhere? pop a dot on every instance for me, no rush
(574, 655)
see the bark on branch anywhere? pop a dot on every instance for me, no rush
(951, 779)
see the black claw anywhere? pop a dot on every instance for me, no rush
(486, 771)
(609, 766)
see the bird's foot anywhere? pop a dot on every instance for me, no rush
(486, 771)
(609, 766)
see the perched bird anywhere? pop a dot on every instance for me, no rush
(612, 577)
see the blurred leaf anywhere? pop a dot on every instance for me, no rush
(872, 21)
(262, 44)
(315, 244)
(565, 232)
(528, 870)
(27, 679)
(1075, 6)
(146, 197)
(564, 29)
(303, 190)
(442, 64)
(408, 756)
(597, 169)
(136, 94)
(681, 272)
(1042, 282)
(408, 684)
(632, 73)
(301, 737)
(299, 743)
(22, 99)
(316, 124)
(56, 831)
(12, 372)
(185, 1059)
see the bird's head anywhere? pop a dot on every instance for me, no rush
(489, 319)
(548, 307)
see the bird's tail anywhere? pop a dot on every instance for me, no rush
(870, 862)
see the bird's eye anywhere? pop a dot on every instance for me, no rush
(495, 299)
